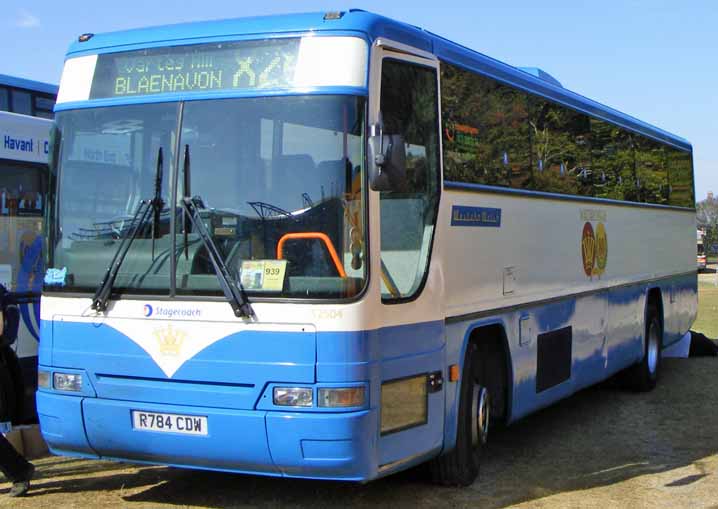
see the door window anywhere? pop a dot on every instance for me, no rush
(408, 214)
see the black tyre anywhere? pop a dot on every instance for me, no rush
(460, 467)
(643, 376)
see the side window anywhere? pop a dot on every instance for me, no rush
(612, 151)
(496, 135)
(485, 130)
(23, 191)
(651, 176)
(409, 108)
(560, 153)
(21, 102)
(4, 99)
(680, 177)
(44, 106)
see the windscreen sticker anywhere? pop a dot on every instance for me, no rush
(475, 216)
(56, 277)
(265, 275)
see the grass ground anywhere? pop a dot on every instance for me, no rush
(707, 321)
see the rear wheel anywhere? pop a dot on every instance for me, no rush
(643, 376)
(460, 467)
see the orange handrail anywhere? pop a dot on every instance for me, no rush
(312, 235)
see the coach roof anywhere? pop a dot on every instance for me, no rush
(372, 26)
(16, 82)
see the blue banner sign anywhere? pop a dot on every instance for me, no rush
(475, 216)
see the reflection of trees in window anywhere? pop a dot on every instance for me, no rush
(680, 177)
(485, 130)
(560, 154)
(507, 134)
(497, 135)
(613, 159)
(651, 176)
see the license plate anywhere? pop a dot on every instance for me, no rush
(169, 423)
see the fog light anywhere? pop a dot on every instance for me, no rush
(43, 379)
(67, 382)
(344, 397)
(293, 396)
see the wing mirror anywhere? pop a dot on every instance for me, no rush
(387, 160)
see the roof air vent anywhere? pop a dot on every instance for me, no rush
(542, 75)
(333, 15)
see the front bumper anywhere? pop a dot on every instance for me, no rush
(340, 446)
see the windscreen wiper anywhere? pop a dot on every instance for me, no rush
(139, 220)
(186, 193)
(102, 295)
(157, 202)
(232, 290)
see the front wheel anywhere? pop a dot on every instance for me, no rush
(460, 467)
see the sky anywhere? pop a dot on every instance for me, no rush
(655, 59)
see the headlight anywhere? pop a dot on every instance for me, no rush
(343, 397)
(67, 382)
(293, 396)
(43, 379)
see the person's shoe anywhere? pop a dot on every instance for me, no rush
(20, 488)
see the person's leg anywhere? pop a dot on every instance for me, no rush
(16, 468)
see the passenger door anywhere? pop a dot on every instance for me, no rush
(411, 293)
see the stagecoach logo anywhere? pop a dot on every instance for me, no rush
(171, 312)
(594, 242)
(169, 340)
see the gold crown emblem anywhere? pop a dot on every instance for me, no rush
(170, 340)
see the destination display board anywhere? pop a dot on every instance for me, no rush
(242, 65)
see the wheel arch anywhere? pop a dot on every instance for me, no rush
(489, 334)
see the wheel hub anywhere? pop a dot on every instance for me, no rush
(481, 413)
(653, 347)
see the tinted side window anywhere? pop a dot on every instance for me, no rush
(44, 106)
(560, 152)
(497, 135)
(21, 102)
(651, 176)
(485, 131)
(4, 99)
(680, 177)
(613, 156)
